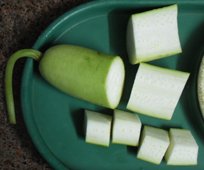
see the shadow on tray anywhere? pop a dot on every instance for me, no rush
(194, 50)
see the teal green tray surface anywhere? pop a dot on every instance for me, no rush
(55, 120)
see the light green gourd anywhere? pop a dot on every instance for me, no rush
(77, 71)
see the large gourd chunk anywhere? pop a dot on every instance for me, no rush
(153, 34)
(156, 91)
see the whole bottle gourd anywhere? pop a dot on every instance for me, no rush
(81, 72)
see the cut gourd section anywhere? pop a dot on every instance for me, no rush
(183, 149)
(156, 91)
(154, 143)
(153, 34)
(87, 74)
(126, 128)
(97, 128)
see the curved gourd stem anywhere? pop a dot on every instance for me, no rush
(31, 53)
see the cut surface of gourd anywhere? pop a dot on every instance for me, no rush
(154, 143)
(97, 128)
(153, 34)
(114, 82)
(126, 128)
(183, 149)
(156, 91)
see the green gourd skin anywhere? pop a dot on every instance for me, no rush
(75, 70)
(78, 71)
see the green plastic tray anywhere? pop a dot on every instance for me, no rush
(55, 120)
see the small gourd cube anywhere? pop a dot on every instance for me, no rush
(97, 128)
(154, 143)
(183, 149)
(126, 128)
(153, 34)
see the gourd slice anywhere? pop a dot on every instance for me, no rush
(153, 34)
(126, 128)
(156, 91)
(183, 149)
(154, 143)
(97, 128)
